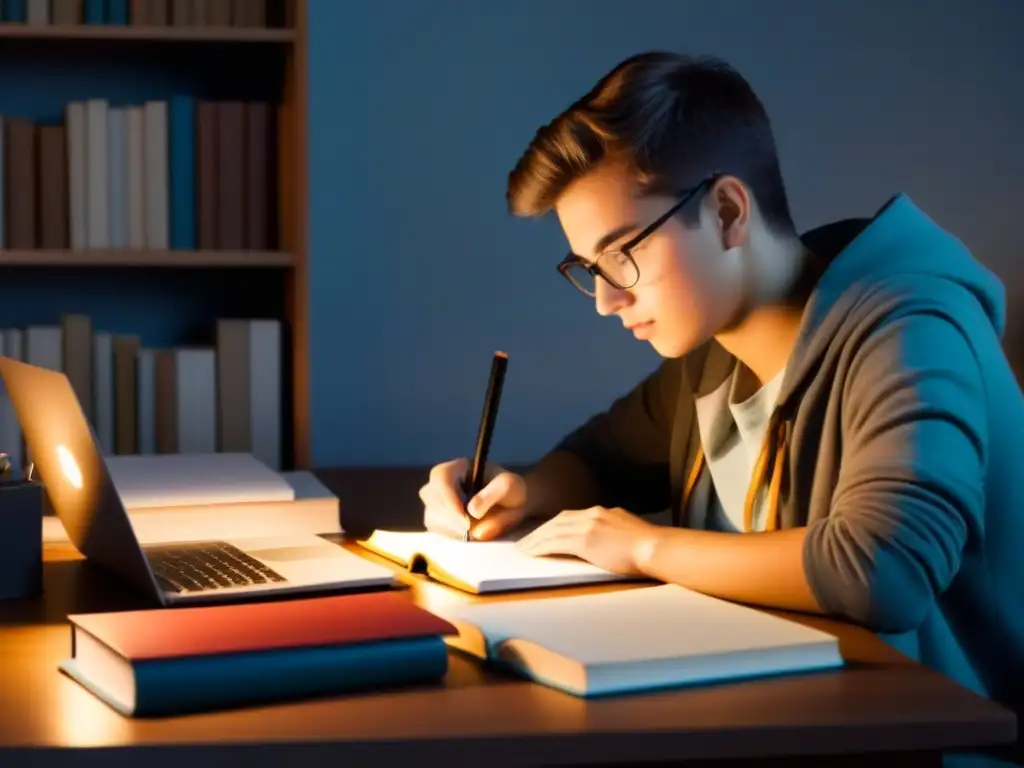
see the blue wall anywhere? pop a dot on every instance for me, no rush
(419, 110)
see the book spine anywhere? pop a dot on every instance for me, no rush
(77, 168)
(181, 141)
(65, 12)
(145, 401)
(135, 163)
(53, 187)
(117, 177)
(93, 11)
(38, 12)
(231, 176)
(96, 174)
(117, 12)
(204, 683)
(155, 174)
(103, 390)
(22, 197)
(207, 190)
(15, 11)
(126, 349)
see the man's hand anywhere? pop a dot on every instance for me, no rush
(612, 539)
(497, 509)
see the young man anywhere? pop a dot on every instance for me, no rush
(842, 398)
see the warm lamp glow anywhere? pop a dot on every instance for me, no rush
(82, 720)
(69, 467)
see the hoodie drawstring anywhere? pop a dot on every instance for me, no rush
(773, 452)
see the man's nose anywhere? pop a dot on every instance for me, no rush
(608, 299)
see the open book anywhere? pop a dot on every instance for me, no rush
(637, 639)
(481, 566)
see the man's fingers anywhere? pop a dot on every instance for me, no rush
(439, 517)
(496, 523)
(491, 495)
(444, 481)
(555, 544)
(565, 526)
(449, 472)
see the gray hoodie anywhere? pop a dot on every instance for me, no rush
(896, 441)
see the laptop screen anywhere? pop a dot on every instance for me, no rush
(68, 461)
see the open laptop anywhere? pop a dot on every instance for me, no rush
(70, 464)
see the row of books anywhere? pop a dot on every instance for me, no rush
(207, 13)
(144, 400)
(182, 174)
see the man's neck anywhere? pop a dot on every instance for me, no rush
(764, 339)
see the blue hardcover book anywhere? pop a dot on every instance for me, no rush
(93, 11)
(15, 11)
(117, 12)
(166, 662)
(181, 142)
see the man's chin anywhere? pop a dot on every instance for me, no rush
(672, 348)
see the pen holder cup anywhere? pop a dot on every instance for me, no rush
(21, 539)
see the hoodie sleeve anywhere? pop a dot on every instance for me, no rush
(627, 446)
(910, 487)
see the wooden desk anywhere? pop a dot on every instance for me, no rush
(882, 703)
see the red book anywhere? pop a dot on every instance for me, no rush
(169, 661)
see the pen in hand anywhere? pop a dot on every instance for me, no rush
(473, 483)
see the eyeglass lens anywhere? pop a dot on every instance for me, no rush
(619, 269)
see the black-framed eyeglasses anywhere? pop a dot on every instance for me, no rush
(617, 266)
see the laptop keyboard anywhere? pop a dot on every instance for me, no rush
(209, 565)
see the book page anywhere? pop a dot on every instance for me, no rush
(632, 625)
(399, 545)
(487, 565)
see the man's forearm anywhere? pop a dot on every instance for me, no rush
(764, 569)
(559, 481)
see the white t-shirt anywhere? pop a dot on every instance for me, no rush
(732, 421)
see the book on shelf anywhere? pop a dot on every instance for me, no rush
(224, 398)
(635, 639)
(167, 662)
(181, 174)
(482, 566)
(146, 13)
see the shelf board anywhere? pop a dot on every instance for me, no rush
(111, 258)
(155, 33)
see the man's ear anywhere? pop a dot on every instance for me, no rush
(732, 205)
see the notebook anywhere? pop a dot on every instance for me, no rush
(482, 566)
(164, 662)
(632, 640)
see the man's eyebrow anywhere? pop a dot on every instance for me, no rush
(611, 237)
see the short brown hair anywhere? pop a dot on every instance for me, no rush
(675, 120)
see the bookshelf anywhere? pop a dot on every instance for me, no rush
(144, 259)
(170, 293)
(145, 33)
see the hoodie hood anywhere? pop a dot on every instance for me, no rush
(898, 244)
